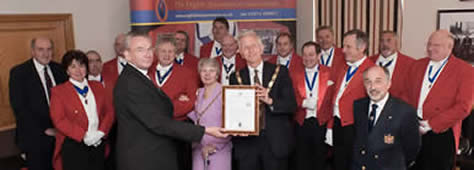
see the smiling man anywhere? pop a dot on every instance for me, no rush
(386, 128)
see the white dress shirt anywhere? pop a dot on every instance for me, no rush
(95, 78)
(121, 62)
(40, 69)
(382, 61)
(163, 70)
(252, 73)
(426, 86)
(325, 54)
(89, 105)
(284, 61)
(216, 50)
(311, 101)
(380, 104)
(342, 88)
(180, 56)
(226, 75)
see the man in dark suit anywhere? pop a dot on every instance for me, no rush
(147, 132)
(29, 85)
(269, 150)
(386, 128)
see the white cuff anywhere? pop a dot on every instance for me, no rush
(328, 139)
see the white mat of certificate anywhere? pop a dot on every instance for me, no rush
(239, 109)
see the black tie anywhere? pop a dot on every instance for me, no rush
(49, 83)
(372, 116)
(256, 81)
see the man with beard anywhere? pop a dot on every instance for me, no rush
(386, 128)
(393, 60)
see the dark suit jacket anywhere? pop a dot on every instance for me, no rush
(373, 150)
(146, 129)
(30, 105)
(278, 123)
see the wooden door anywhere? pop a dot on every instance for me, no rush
(16, 33)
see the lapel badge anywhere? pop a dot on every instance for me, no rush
(389, 117)
(388, 139)
(75, 111)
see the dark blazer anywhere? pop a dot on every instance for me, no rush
(147, 133)
(397, 123)
(30, 105)
(278, 123)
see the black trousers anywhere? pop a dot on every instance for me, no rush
(41, 156)
(110, 161)
(311, 150)
(262, 157)
(78, 156)
(343, 141)
(437, 151)
(185, 153)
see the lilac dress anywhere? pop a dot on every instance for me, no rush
(221, 159)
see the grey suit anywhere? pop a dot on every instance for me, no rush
(147, 133)
(393, 142)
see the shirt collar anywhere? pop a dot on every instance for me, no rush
(381, 103)
(259, 68)
(38, 65)
(438, 63)
(327, 52)
(283, 60)
(92, 77)
(312, 69)
(79, 84)
(122, 60)
(180, 56)
(387, 59)
(163, 68)
(144, 72)
(231, 60)
(357, 63)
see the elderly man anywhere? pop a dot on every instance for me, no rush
(396, 63)
(147, 131)
(440, 88)
(386, 128)
(286, 56)
(220, 28)
(95, 66)
(310, 88)
(114, 67)
(338, 105)
(30, 83)
(331, 56)
(230, 60)
(269, 150)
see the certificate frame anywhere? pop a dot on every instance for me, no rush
(225, 115)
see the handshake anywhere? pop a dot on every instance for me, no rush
(93, 138)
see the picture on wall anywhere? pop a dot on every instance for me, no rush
(461, 24)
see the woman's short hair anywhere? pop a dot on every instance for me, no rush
(209, 62)
(77, 55)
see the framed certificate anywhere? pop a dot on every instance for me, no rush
(240, 111)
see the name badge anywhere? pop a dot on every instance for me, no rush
(388, 139)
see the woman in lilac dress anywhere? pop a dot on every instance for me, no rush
(215, 152)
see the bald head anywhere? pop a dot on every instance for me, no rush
(440, 45)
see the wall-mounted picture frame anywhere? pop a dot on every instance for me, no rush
(460, 22)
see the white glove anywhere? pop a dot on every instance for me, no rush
(424, 127)
(310, 103)
(92, 137)
(329, 137)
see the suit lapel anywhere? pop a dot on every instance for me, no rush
(363, 119)
(322, 86)
(38, 83)
(267, 74)
(245, 76)
(444, 76)
(76, 102)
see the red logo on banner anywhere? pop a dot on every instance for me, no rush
(161, 10)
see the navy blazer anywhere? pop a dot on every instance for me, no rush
(393, 142)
